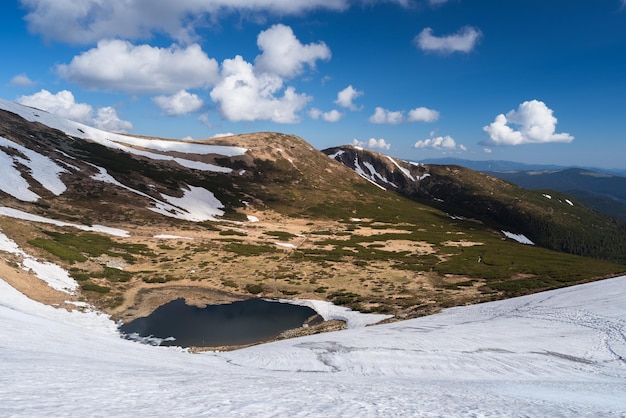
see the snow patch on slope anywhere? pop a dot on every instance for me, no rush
(169, 236)
(12, 181)
(518, 237)
(330, 311)
(285, 245)
(406, 172)
(359, 170)
(197, 205)
(56, 277)
(180, 146)
(42, 169)
(18, 214)
(337, 154)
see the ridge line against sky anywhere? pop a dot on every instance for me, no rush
(530, 82)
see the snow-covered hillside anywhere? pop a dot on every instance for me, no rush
(18, 164)
(559, 353)
(124, 142)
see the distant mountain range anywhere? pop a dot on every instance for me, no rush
(502, 165)
(600, 189)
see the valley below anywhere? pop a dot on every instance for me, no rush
(369, 267)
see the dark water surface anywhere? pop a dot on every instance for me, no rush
(236, 323)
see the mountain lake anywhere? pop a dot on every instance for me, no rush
(233, 324)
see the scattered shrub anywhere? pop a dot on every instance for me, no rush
(255, 289)
(280, 234)
(231, 232)
(92, 287)
(249, 249)
(229, 283)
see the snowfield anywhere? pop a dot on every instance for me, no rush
(559, 354)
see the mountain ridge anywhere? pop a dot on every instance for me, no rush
(599, 189)
(546, 221)
(504, 165)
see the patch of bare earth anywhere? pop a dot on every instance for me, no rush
(461, 243)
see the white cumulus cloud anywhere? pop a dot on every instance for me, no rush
(63, 104)
(535, 122)
(21, 80)
(382, 115)
(315, 113)
(438, 143)
(346, 97)
(331, 116)
(204, 119)
(181, 103)
(419, 114)
(372, 143)
(463, 41)
(87, 21)
(243, 95)
(121, 66)
(423, 114)
(284, 55)
(241, 91)
(107, 120)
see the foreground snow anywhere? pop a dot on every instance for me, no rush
(559, 353)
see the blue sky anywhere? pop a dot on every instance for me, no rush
(532, 81)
